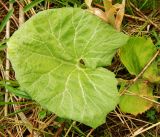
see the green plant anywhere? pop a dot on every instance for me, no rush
(151, 115)
(59, 58)
(136, 54)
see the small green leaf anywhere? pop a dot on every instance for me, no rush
(31, 5)
(134, 101)
(151, 115)
(5, 20)
(136, 54)
(58, 57)
(42, 114)
(2, 47)
(3, 44)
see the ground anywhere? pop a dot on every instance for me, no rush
(22, 117)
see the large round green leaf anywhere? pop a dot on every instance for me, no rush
(58, 57)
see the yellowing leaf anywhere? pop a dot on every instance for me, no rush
(152, 74)
(119, 16)
(107, 5)
(113, 13)
(98, 12)
(110, 16)
(138, 98)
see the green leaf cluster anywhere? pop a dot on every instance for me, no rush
(135, 55)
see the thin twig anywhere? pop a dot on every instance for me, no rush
(145, 68)
(18, 128)
(145, 17)
(121, 119)
(135, 18)
(91, 131)
(125, 121)
(21, 5)
(47, 122)
(59, 131)
(21, 15)
(28, 125)
(144, 97)
(141, 130)
(70, 128)
(126, 15)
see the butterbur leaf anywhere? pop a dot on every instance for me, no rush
(58, 57)
(138, 98)
(136, 54)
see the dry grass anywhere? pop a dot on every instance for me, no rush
(24, 118)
